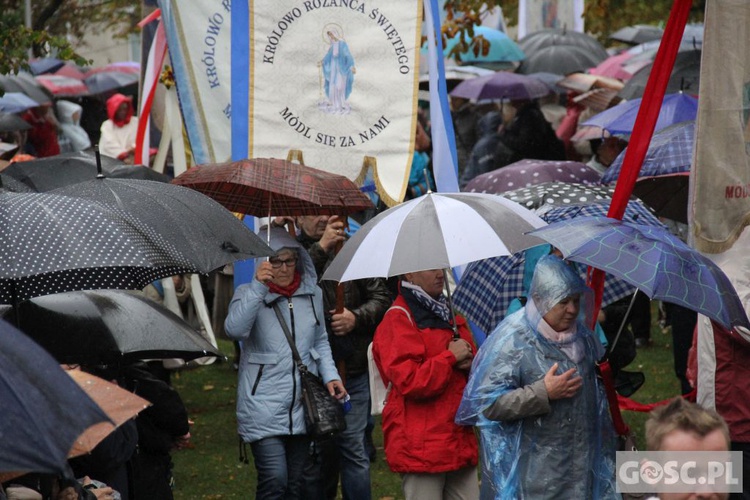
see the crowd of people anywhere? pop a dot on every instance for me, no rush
(524, 415)
(65, 127)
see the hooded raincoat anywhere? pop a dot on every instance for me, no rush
(118, 137)
(535, 448)
(268, 394)
(69, 115)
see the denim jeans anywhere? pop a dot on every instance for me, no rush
(345, 454)
(280, 462)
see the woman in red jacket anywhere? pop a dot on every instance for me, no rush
(416, 352)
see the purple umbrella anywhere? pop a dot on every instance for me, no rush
(501, 85)
(651, 259)
(620, 119)
(527, 173)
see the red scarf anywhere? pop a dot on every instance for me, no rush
(286, 291)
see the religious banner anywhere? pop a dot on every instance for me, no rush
(535, 15)
(720, 176)
(334, 79)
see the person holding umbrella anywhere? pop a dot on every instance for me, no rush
(424, 353)
(533, 392)
(351, 330)
(270, 413)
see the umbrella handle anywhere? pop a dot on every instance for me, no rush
(340, 287)
(450, 305)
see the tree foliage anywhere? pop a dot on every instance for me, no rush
(601, 18)
(57, 25)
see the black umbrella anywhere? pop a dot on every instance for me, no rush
(637, 34)
(109, 80)
(46, 174)
(54, 244)
(206, 233)
(533, 42)
(685, 76)
(25, 83)
(108, 327)
(561, 59)
(43, 409)
(12, 123)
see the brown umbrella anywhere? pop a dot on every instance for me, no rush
(264, 186)
(119, 405)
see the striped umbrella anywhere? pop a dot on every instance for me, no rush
(435, 231)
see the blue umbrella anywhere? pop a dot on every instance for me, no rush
(16, 102)
(502, 48)
(487, 287)
(651, 259)
(44, 410)
(45, 65)
(620, 119)
(663, 182)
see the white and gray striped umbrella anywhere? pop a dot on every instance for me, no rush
(435, 231)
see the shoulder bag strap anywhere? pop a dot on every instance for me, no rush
(295, 353)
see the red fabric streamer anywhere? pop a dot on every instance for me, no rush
(643, 129)
(155, 62)
(630, 405)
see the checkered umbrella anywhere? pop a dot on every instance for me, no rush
(663, 180)
(487, 287)
(263, 186)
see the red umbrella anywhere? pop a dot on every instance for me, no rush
(63, 86)
(263, 186)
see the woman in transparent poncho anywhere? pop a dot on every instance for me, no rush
(534, 395)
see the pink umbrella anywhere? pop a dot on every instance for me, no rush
(613, 66)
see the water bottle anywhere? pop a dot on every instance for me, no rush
(346, 404)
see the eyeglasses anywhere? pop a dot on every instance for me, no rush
(277, 263)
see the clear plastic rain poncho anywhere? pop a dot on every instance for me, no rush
(569, 450)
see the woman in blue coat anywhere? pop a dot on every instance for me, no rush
(270, 414)
(533, 392)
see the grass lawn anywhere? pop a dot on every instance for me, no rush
(211, 468)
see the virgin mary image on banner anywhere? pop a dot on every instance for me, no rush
(338, 72)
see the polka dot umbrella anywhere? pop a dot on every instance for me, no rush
(527, 173)
(206, 233)
(560, 194)
(55, 244)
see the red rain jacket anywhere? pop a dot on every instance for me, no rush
(418, 418)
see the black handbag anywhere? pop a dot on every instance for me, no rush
(324, 415)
